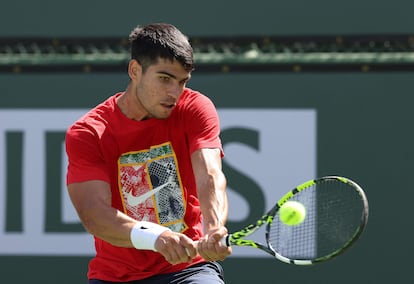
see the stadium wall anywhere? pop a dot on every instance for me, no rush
(354, 124)
(359, 127)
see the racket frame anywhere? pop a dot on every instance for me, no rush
(238, 238)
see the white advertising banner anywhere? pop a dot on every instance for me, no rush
(284, 158)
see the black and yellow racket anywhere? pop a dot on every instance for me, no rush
(336, 215)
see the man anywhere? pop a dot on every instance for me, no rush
(145, 172)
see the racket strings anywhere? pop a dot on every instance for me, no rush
(333, 217)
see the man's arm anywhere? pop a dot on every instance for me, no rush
(92, 201)
(211, 188)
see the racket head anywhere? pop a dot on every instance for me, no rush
(336, 216)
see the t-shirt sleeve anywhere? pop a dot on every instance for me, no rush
(203, 124)
(85, 160)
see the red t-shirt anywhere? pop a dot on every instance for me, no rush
(137, 157)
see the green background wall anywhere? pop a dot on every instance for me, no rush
(364, 119)
(215, 17)
(364, 132)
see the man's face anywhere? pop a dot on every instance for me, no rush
(160, 87)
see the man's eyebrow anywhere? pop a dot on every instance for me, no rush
(173, 76)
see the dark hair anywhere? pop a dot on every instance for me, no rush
(160, 40)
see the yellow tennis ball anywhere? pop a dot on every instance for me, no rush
(292, 213)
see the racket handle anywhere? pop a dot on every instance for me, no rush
(225, 241)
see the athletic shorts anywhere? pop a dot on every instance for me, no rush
(202, 273)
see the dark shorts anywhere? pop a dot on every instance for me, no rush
(209, 272)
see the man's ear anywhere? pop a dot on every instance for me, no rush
(134, 69)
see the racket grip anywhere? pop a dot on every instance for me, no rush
(225, 240)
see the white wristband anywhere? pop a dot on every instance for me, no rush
(144, 234)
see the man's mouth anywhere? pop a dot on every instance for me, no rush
(168, 105)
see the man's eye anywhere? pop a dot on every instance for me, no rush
(165, 79)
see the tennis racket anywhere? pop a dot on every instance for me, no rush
(336, 215)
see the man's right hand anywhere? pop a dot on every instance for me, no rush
(176, 247)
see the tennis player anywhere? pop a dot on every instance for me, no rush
(145, 171)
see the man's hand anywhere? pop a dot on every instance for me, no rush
(211, 248)
(175, 247)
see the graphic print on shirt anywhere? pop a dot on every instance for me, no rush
(150, 187)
